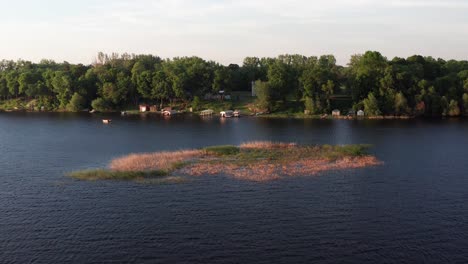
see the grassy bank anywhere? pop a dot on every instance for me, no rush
(253, 161)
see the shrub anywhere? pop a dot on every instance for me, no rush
(196, 103)
(77, 103)
(100, 105)
(223, 150)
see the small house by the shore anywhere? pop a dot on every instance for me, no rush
(360, 113)
(207, 112)
(227, 113)
(236, 113)
(144, 108)
(336, 112)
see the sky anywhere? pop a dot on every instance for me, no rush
(229, 30)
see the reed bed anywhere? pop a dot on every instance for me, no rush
(266, 171)
(162, 161)
(266, 145)
(252, 161)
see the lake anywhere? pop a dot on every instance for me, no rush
(412, 209)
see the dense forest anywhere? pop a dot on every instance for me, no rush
(413, 86)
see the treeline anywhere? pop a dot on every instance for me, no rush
(413, 86)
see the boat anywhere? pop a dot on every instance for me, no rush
(169, 112)
(107, 121)
(237, 113)
(227, 114)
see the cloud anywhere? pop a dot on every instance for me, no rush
(230, 29)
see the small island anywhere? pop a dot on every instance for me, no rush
(253, 161)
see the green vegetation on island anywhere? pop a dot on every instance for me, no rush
(289, 85)
(253, 161)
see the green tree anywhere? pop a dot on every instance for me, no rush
(313, 106)
(453, 108)
(12, 83)
(328, 90)
(100, 105)
(371, 106)
(401, 104)
(196, 103)
(144, 84)
(161, 87)
(264, 99)
(77, 103)
(3, 88)
(62, 87)
(279, 80)
(222, 79)
(465, 103)
(365, 73)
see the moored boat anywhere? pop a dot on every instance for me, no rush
(227, 114)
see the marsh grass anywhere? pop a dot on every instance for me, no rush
(225, 150)
(161, 161)
(254, 161)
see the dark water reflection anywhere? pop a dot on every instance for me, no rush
(410, 210)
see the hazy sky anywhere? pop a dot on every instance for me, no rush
(229, 30)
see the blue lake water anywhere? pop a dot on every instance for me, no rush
(412, 209)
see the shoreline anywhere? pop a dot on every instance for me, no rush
(266, 116)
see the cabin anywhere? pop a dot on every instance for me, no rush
(227, 114)
(144, 108)
(169, 112)
(336, 112)
(237, 113)
(207, 112)
(360, 113)
(351, 112)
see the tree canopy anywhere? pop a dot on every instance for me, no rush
(415, 85)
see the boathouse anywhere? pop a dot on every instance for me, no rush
(207, 112)
(144, 108)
